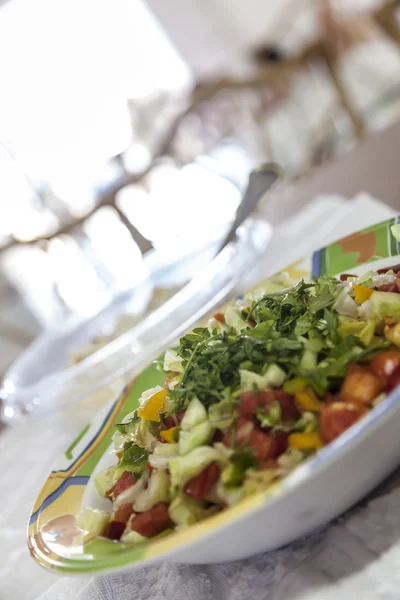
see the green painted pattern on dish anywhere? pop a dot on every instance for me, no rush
(366, 246)
(68, 452)
(101, 560)
(101, 547)
(386, 244)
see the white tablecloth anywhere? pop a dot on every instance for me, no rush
(356, 556)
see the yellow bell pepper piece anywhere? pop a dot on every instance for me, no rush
(362, 293)
(168, 434)
(305, 441)
(307, 400)
(150, 410)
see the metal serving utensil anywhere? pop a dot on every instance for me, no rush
(260, 181)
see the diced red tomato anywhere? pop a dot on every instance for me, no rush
(114, 530)
(123, 513)
(281, 440)
(179, 415)
(345, 276)
(388, 287)
(267, 445)
(395, 269)
(219, 317)
(269, 464)
(200, 486)
(246, 432)
(124, 482)
(151, 522)
(249, 402)
(393, 380)
(289, 409)
(170, 421)
(360, 385)
(217, 437)
(337, 417)
(329, 398)
(384, 363)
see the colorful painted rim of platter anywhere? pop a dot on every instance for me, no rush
(54, 539)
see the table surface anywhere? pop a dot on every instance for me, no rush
(25, 458)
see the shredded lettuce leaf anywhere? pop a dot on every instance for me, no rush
(184, 468)
(157, 491)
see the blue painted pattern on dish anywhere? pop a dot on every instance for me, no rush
(78, 480)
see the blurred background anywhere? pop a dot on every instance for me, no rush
(128, 129)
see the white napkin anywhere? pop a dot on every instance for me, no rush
(357, 556)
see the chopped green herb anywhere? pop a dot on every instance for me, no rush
(124, 428)
(134, 459)
(241, 460)
(270, 416)
(295, 329)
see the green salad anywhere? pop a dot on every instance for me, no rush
(270, 380)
